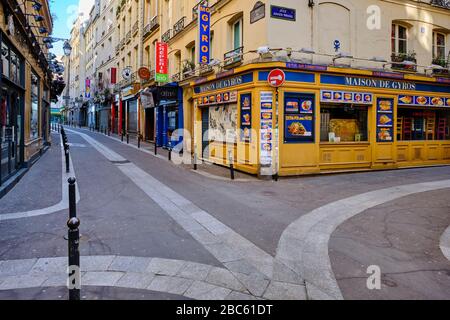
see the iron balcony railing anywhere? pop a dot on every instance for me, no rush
(233, 57)
(177, 77)
(154, 23)
(441, 3)
(166, 36)
(135, 27)
(179, 26)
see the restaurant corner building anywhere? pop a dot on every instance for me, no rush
(26, 89)
(322, 119)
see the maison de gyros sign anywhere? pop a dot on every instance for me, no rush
(276, 78)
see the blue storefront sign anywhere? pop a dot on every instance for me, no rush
(204, 25)
(283, 13)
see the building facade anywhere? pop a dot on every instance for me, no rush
(26, 85)
(363, 84)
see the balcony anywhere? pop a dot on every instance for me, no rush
(441, 67)
(122, 43)
(166, 36)
(441, 3)
(154, 23)
(206, 70)
(233, 58)
(177, 77)
(179, 26)
(135, 27)
(404, 62)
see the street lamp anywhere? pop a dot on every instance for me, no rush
(67, 49)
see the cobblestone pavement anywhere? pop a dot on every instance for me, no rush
(154, 230)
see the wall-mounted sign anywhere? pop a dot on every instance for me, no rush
(246, 117)
(204, 25)
(235, 81)
(258, 12)
(220, 98)
(267, 126)
(346, 97)
(377, 83)
(385, 120)
(299, 118)
(424, 101)
(144, 73)
(283, 13)
(126, 73)
(276, 78)
(162, 70)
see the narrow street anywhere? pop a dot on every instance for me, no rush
(153, 230)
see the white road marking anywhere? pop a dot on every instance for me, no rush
(62, 205)
(304, 244)
(445, 243)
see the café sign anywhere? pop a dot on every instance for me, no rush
(379, 83)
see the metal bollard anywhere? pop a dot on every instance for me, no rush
(156, 148)
(128, 138)
(74, 244)
(121, 136)
(195, 161)
(231, 166)
(139, 141)
(170, 155)
(66, 152)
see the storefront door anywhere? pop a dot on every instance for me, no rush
(205, 129)
(10, 132)
(150, 124)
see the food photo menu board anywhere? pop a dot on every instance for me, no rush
(267, 126)
(246, 117)
(299, 118)
(423, 101)
(346, 97)
(385, 120)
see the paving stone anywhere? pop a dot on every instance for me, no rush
(234, 295)
(255, 283)
(16, 267)
(129, 264)
(224, 278)
(285, 291)
(195, 271)
(95, 263)
(165, 266)
(314, 293)
(101, 279)
(283, 273)
(223, 253)
(135, 280)
(50, 265)
(240, 266)
(205, 291)
(168, 284)
(56, 280)
(205, 237)
(22, 281)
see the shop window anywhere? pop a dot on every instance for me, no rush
(343, 123)
(5, 60)
(420, 125)
(34, 112)
(299, 118)
(223, 123)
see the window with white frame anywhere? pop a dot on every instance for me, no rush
(237, 30)
(399, 39)
(439, 46)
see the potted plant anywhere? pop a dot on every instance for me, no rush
(401, 58)
(441, 62)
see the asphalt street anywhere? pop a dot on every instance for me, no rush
(222, 236)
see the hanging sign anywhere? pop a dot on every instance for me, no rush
(126, 73)
(162, 70)
(204, 25)
(144, 73)
(88, 89)
(276, 78)
(113, 75)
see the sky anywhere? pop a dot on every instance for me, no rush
(66, 11)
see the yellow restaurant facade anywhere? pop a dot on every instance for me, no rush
(321, 119)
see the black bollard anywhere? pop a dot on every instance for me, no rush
(156, 149)
(139, 141)
(121, 136)
(66, 152)
(170, 155)
(195, 161)
(231, 167)
(74, 245)
(128, 138)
